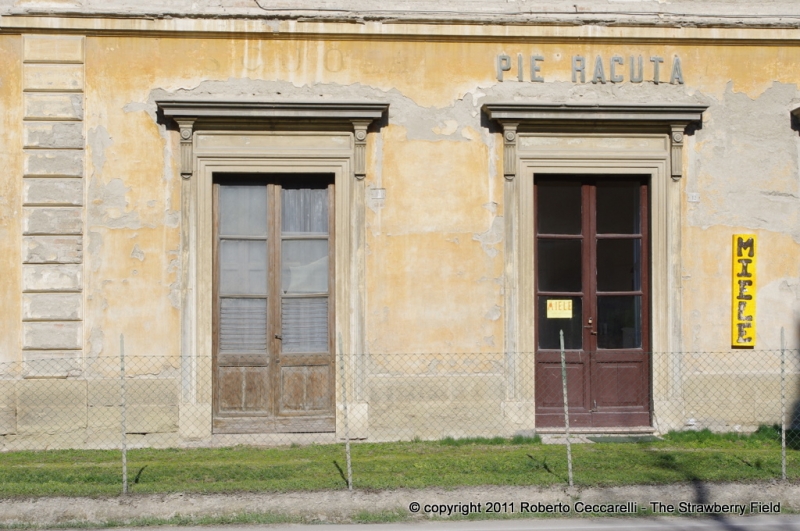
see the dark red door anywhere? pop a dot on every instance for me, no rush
(592, 249)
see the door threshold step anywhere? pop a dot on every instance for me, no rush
(634, 430)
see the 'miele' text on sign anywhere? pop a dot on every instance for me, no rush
(743, 312)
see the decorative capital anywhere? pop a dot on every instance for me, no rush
(676, 150)
(186, 126)
(510, 150)
(360, 148)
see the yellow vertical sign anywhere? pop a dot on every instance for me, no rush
(743, 311)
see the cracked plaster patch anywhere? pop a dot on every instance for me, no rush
(137, 253)
(745, 165)
(491, 237)
(108, 205)
(494, 313)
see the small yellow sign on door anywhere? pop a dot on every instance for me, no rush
(559, 308)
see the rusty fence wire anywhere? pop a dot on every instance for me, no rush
(135, 401)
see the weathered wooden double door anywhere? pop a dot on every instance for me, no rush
(273, 296)
(591, 256)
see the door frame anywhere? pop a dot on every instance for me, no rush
(265, 137)
(612, 149)
(261, 151)
(594, 138)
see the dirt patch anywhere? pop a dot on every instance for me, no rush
(342, 505)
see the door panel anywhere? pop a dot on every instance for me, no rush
(620, 384)
(293, 389)
(591, 283)
(273, 355)
(551, 378)
(305, 389)
(232, 392)
(255, 388)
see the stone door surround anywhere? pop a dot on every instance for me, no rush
(591, 139)
(269, 137)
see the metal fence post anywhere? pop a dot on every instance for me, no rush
(123, 427)
(566, 406)
(783, 407)
(346, 420)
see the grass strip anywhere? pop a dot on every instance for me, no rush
(449, 463)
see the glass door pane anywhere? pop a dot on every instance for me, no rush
(619, 258)
(619, 264)
(558, 313)
(305, 267)
(618, 210)
(559, 262)
(559, 207)
(619, 321)
(304, 210)
(242, 263)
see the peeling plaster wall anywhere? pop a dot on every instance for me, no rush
(442, 206)
(432, 248)
(132, 216)
(744, 165)
(10, 198)
(435, 246)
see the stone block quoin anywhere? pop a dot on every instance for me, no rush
(53, 192)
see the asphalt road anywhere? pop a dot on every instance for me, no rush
(746, 523)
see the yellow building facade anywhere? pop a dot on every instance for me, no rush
(482, 181)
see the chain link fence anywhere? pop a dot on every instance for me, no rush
(169, 402)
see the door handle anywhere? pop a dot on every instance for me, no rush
(278, 336)
(591, 327)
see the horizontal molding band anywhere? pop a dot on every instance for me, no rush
(33, 320)
(53, 292)
(527, 112)
(323, 111)
(38, 148)
(49, 176)
(597, 28)
(52, 91)
(37, 349)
